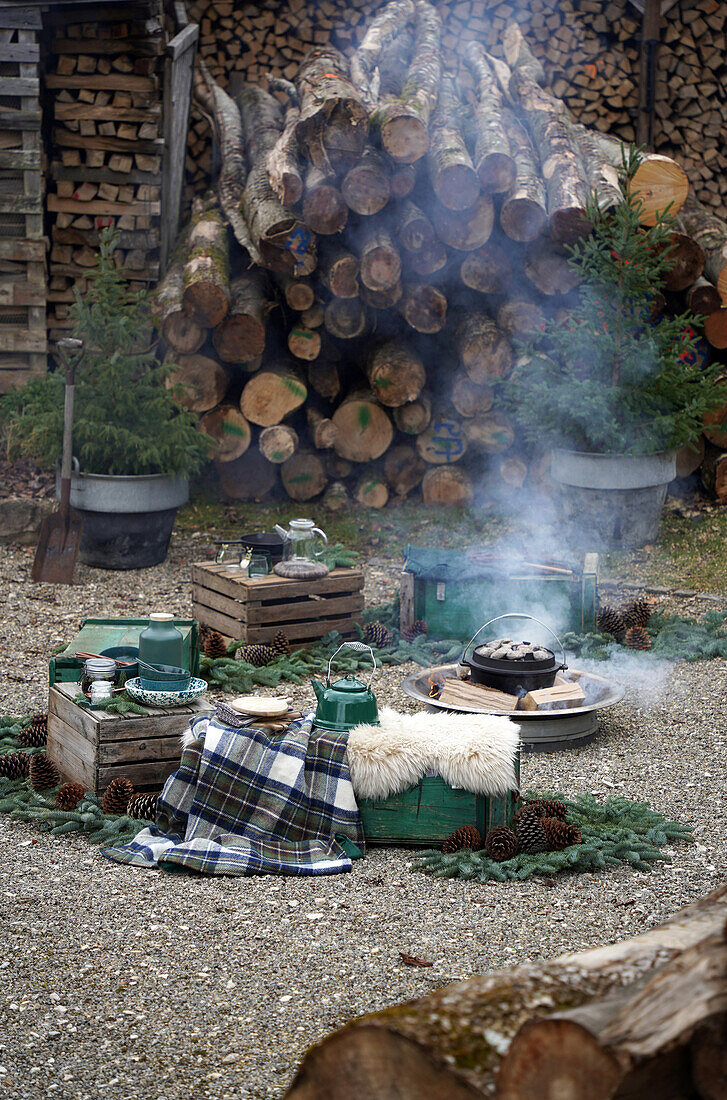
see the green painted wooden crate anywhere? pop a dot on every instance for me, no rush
(428, 813)
(96, 635)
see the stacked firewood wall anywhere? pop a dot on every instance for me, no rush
(341, 307)
(589, 50)
(104, 78)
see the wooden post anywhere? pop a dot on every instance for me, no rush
(178, 72)
(650, 28)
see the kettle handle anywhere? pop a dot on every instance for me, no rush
(354, 645)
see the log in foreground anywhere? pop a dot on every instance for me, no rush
(454, 1044)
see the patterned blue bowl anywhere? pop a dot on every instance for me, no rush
(165, 698)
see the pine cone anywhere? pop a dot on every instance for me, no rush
(215, 646)
(378, 635)
(531, 836)
(637, 613)
(610, 621)
(527, 808)
(550, 807)
(417, 628)
(143, 807)
(257, 655)
(70, 794)
(15, 765)
(560, 834)
(281, 645)
(117, 795)
(43, 773)
(637, 638)
(501, 844)
(35, 736)
(467, 836)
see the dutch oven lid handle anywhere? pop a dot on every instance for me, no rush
(360, 646)
(518, 615)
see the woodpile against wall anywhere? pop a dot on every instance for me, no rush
(104, 78)
(340, 308)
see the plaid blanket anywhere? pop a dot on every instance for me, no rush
(243, 802)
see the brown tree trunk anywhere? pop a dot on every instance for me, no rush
(447, 487)
(396, 374)
(549, 270)
(179, 331)
(524, 211)
(443, 441)
(423, 307)
(710, 233)
(250, 477)
(231, 432)
(372, 490)
(333, 121)
(345, 318)
(338, 270)
(284, 161)
(403, 122)
(303, 476)
(363, 427)
(379, 261)
(383, 29)
(451, 172)
(323, 207)
(206, 293)
(404, 468)
(304, 343)
(414, 418)
(450, 1044)
(278, 443)
(415, 230)
(487, 270)
(494, 163)
(272, 394)
(199, 383)
(466, 229)
(240, 337)
(366, 187)
(483, 349)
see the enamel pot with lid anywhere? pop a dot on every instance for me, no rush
(511, 676)
(347, 702)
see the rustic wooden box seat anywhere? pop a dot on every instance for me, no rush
(254, 609)
(428, 813)
(92, 747)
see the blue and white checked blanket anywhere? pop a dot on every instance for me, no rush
(243, 802)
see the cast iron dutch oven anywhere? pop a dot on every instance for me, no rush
(510, 676)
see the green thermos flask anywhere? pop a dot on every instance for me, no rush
(161, 643)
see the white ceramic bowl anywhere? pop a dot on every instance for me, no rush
(147, 698)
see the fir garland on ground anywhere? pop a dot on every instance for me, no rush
(613, 832)
(672, 638)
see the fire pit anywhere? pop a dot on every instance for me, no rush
(541, 730)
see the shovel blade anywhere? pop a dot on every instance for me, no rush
(57, 552)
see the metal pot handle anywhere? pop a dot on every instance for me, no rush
(354, 645)
(518, 615)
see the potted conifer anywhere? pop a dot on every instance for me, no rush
(134, 446)
(613, 388)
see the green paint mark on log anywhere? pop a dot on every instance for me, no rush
(364, 417)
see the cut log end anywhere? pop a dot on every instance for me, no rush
(557, 1060)
(405, 138)
(496, 172)
(570, 225)
(523, 220)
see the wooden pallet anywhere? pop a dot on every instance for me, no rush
(254, 609)
(92, 747)
(23, 287)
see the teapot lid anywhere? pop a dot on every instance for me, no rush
(349, 684)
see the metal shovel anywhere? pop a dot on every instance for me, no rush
(60, 534)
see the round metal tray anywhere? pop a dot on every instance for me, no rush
(541, 731)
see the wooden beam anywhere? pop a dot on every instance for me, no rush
(111, 82)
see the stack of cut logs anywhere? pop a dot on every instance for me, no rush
(341, 309)
(107, 147)
(589, 50)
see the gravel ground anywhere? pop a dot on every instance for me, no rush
(125, 983)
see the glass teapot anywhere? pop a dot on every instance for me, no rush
(300, 541)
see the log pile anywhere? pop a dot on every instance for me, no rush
(644, 1017)
(371, 254)
(106, 152)
(589, 51)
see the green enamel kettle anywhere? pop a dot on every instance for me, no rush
(348, 702)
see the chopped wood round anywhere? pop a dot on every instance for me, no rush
(713, 421)
(414, 227)
(659, 182)
(304, 343)
(423, 307)
(413, 418)
(240, 337)
(467, 229)
(206, 279)
(303, 476)
(333, 121)
(278, 443)
(524, 210)
(259, 706)
(345, 318)
(271, 395)
(336, 497)
(382, 299)
(403, 180)
(404, 468)
(230, 430)
(366, 187)
(703, 298)
(314, 316)
(199, 382)
(469, 399)
(337, 467)
(487, 269)
(372, 491)
(521, 318)
(550, 271)
(249, 477)
(299, 293)
(339, 271)
(484, 350)
(396, 374)
(322, 430)
(379, 260)
(363, 427)
(181, 332)
(686, 262)
(715, 328)
(492, 433)
(324, 210)
(565, 1060)
(513, 471)
(430, 258)
(447, 486)
(443, 442)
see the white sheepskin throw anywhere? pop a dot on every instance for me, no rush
(476, 752)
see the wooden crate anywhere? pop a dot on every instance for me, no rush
(92, 747)
(254, 609)
(428, 813)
